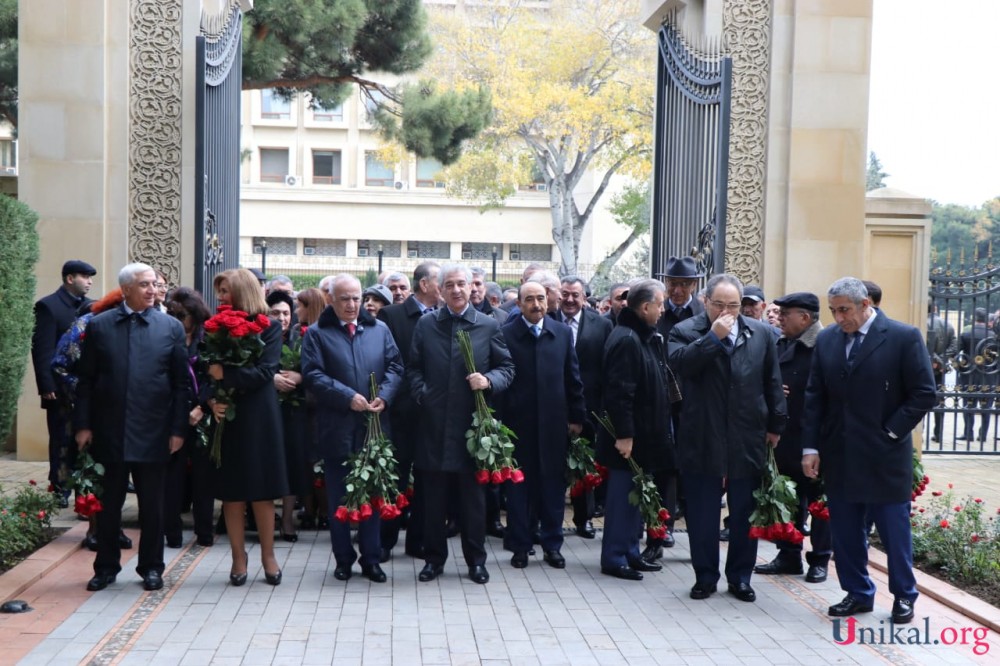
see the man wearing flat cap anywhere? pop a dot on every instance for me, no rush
(754, 305)
(53, 316)
(799, 318)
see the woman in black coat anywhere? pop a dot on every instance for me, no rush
(253, 454)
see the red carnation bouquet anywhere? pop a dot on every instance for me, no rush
(819, 510)
(489, 442)
(644, 495)
(582, 473)
(86, 481)
(776, 506)
(372, 482)
(920, 478)
(232, 337)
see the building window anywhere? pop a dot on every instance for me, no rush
(326, 167)
(537, 183)
(275, 245)
(321, 114)
(377, 174)
(480, 250)
(530, 252)
(369, 248)
(324, 247)
(428, 250)
(429, 172)
(273, 165)
(273, 106)
(8, 156)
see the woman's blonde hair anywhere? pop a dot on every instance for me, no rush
(313, 303)
(245, 292)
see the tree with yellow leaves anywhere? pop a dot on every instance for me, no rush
(572, 93)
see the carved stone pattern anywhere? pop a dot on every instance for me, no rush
(154, 134)
(746, 26)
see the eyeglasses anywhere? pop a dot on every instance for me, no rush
(732, 307)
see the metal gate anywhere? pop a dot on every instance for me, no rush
(217, 155)
(691, 161)
(962, 332)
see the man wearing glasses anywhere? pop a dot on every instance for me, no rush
(733, 408)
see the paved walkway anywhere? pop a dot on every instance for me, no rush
(536, 615)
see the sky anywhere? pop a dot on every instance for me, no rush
(934, 111)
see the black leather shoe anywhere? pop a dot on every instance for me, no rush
(152, 581)
(479, 574)
(385, 554)
(586, 531)
(430, 572)
(849, 606)
(206, 541)
(779, 566)
(496, 529)
(702, 590)
(554, 559)
(742, 591)
(519, 560)
(624, 572)
(62, 501)
(668, 541)
(290, 538)
(374, 573)
(599, 511)
(902, 611)
(100, 581)
(652, 553)
(90, 542)
(175, 542)
(273, 579)
(342, 572)
(645, 565)
(124, 542)
(724, 534)
(816, 574)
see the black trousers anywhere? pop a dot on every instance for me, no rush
(470, 510)
(148, 479)
(202, 497)
(62, 448)
(415, 521)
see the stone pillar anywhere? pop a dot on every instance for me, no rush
(106, 97)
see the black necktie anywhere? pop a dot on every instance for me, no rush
(855, 346)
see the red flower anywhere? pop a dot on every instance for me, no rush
(482, 477)
(664, 515)
(937, 493)
(223, 308)
(409, 491)
(601, 469)
(389, 512)
(497, 477)
(377, 503)
(50, 489)
(401, 501)
(757, 533)
(341, 514)
(240, 330)
(41, 515)
(505, 473)
(263, 320)
(921, 509)
(517, 476)
(211, 326)
(944, 524)
(365, 511)
(978, 500)
(950, 486)
(958, 508)
(32, 482)
(319, 483)
(302, 330)
(577, 489)
(974, 538)
(254, 327)
(354, 516)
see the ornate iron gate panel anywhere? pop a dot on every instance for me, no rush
(962, 339)
(691, 161)
(217, 156)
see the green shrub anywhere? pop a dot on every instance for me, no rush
(960, 538)
(18, 255)
(25, 522)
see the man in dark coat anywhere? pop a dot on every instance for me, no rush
(733, 409)
(338, 358)
(617, 295)
(132, 409)
(590, 333)
(443, 389)
(637, 398)
(800, 325)
(545, 399)
(869, 386)
(942, 345)
(977, 342)
(681, 279)
(53, 316)
(402, 319)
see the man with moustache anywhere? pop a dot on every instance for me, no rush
(870, 385)
(131, 409)
(590, 332)
(402, 320)
(443, 389)
(399, 285)
(733, 408)
(543, 402)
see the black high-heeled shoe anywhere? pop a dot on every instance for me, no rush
(290, 538)
(273, 579)
(238, 579)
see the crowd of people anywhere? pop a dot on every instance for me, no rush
(694, 386)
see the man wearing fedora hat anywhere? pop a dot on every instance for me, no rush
(53, 315)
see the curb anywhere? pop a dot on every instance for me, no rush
(41, 562)
(944, 593)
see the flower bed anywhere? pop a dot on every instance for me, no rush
(25, 523)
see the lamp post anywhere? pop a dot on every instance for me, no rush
(263, 257)
(379, 258)
(494, 263)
